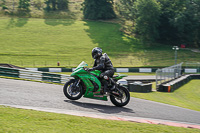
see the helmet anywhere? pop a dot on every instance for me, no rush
(96, 52)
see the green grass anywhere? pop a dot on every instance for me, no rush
(187, 96)
(23, 121)
(30, 42)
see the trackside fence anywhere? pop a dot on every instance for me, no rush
(167, 74)
(192, 67)
(34, 75)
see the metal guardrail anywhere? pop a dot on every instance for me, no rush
(34, 75)
(167, 74)
(192, 67)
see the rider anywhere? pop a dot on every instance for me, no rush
(103, 63)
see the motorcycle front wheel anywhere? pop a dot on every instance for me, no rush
(121, 100)
(73, 91)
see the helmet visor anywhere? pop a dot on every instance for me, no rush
(94, 55)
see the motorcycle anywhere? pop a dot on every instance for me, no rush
(88, 84)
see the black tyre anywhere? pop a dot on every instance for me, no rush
(72, 91)
(121, 101)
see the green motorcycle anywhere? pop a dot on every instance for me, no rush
(88, 85)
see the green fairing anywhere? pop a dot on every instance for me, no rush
(96, 72)
(120, 76)
(87, 77)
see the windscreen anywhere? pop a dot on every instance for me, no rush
(82, 64)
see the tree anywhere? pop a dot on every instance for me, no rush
(180, 22)
(127, 11)
(188, 23)
(167, 30)
(3, 4)
(62, 4)
(53, 5)
(143, 15)
(98, 9)
(147, 19)
(164, 21)
(24, 5)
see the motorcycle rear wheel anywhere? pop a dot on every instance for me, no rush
(121, 101)
(72, 91)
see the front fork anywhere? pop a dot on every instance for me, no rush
(78, 81)
(76, 84)
(117, 93)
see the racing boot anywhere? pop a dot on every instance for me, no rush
(105, 87)
(113, 83)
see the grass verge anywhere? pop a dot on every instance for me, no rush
(187, 96)
(19, 120)
(30, 42)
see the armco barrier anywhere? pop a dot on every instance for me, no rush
(176, 83)
(139, 70)
(142, 70)
(39, 76)
(34, 75)
(9, 72)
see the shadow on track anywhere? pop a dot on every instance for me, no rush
(107, 109)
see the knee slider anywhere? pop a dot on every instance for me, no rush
(105, 77)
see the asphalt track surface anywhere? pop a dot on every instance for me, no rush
(34, 95)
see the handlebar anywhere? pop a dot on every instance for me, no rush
(86, 69)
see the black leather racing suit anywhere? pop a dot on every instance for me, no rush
(104, 64)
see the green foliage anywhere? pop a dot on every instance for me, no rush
(62, 4)
(180, 22)
(187, 22)
(144, 15)
(167, 21)
(3, 4)
(53, 5)
(38, 3)
(147, 19)
(98, 9)
(24, 5)
(167, 31)
(127, 9)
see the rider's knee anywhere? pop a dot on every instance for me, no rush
(102, 75)
(106, 77)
